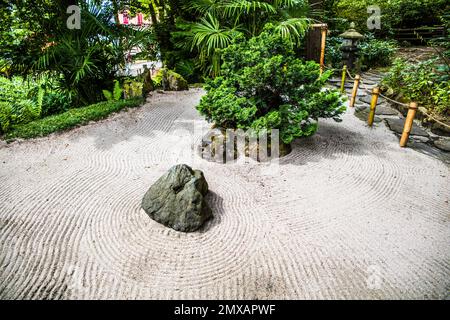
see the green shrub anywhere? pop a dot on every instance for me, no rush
(394, 13)
(263, 86)
(420, 82)
(54, 103)
(185, 68)
(375, 52)
(69, 119)
(132, 88)
(333, 53)
(372, 52)
(14, 89)
(116, 94)
(24, 99)
(5, 116)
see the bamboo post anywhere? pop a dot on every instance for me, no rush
(355, 90)
(373, 105)
(322, 48)
(344, 74)
(408, 124)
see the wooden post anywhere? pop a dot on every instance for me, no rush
(373, 105)
(408, 124)
(322, 48)
(344, 74)
(355, 90)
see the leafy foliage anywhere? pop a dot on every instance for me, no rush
(220, 20)
(88, 58)
(420, 82)
(263, 86)
(333, 53)
(116, 94)
(21, 101)
(394, 13)
(132, 88)
(54, 103)
(83, 61)
(69, 119)
(375, 52)
(372, 52)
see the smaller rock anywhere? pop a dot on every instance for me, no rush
(397, 125)
(348, 85)
(439, 129)
(361, 107)
(368, 99)
(371, 79)
(443, 144)
(364, 115)
(382, 109)
(170, 80)
(385, 110)
(421, 139)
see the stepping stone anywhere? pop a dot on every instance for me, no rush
(347, 85)
(361, 107)
(373, 74)
(364, 114)
(397, 125)
(440, 130)
(443, 144)
(371, 79)
(368, 98)
(385, 110)
(420, 139)
(349, 93)
(381, 110)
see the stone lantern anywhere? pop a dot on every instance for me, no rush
(349, 46)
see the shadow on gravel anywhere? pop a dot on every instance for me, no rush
(216, 203)
(331, 141)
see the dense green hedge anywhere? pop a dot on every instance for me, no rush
(69, 119)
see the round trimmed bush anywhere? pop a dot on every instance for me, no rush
(263, 86)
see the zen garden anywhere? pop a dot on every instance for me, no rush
(224, 149)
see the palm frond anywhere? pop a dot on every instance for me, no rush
(236, 8)
(204, 7)
(293, 29)
(209, 36)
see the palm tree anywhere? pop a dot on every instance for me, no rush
(220, 19)
(208, 38)
(86, 60)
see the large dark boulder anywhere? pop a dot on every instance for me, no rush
(177, 199)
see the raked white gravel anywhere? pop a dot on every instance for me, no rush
(348, 215)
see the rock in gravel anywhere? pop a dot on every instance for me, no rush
(382, 109)
(385, 110)
(443, 144)
(397, 125)
(177, 199)
(439, 129)
(368, 98)
(363, 114)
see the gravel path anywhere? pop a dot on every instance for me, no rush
(350, 215)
